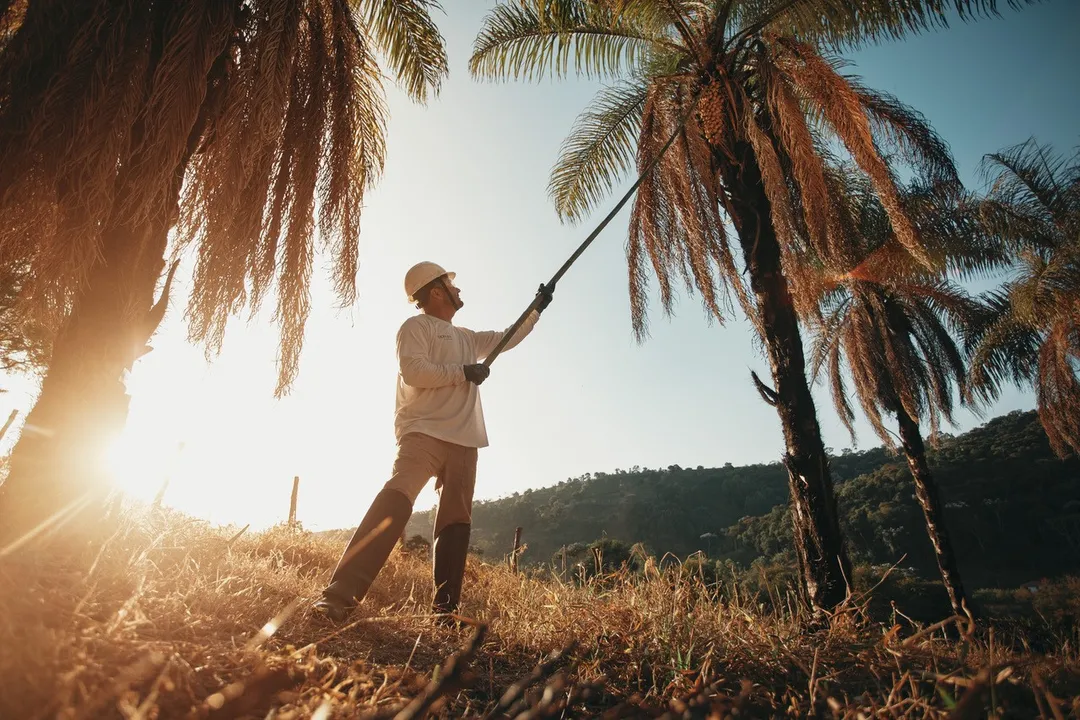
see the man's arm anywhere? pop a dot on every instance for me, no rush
(485, 341)
(416, 369)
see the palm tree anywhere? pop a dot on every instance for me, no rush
(1029, 333)
(893, 324)
(759, 98)
(245, 126)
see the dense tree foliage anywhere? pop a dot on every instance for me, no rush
(1013, 508)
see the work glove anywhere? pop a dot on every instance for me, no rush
(548, 294)
(477, 373)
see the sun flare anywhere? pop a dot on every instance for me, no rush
(139, 468)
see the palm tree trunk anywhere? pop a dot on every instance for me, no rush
(60, 458)
(83, 405)
(59, 463)
(927, 493)
(824, 567)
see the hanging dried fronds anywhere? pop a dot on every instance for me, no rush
(807, 165)
(1057, 391)
(676, 220)
(841, 106)
(73, 81)
(895, 331)
(269, 113)
(302, 126)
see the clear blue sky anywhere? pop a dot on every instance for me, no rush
(465, 186)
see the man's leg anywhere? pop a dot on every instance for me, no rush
(453, 523)
(419, 458)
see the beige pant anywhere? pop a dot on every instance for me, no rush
(421, 457)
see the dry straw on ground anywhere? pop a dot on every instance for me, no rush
(160, 616)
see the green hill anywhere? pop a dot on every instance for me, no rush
(1012, 506)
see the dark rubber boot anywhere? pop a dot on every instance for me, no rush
(356, 570)
(451, 548)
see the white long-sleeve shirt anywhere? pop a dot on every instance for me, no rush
(433, 396)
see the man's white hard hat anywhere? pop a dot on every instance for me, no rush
(420, 275)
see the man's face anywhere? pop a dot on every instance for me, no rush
(450, 292)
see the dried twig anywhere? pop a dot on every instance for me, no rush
(515, 691)
(236, 537)
(970, 705)
(247, 697)
(908, 642)
(451, 677)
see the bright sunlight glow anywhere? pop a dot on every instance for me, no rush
(138, 468)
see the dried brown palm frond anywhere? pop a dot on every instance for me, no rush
(840, 104)
(1058, 389)
(25, 342)
(270, 113)
(807, 165)
(890, 320)
(77, 95)
(673, 223)
(303, 125)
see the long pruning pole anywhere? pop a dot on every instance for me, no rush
(592, 236)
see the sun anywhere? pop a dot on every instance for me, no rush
(139, 466)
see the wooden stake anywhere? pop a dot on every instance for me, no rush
(292, 500)
(160, 495)
(11, 419)
(517, 549)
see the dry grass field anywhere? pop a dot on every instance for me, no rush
(162, 616)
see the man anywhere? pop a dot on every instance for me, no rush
(439, 425)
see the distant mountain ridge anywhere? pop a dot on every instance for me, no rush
(1012, 506)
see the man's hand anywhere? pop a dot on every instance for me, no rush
(477, 373)
(547, 294)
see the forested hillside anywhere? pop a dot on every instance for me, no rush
(1012, 506)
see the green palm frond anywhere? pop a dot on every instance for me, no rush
(949, 219)
(827, 329)
(945, 360)
(856, 23)
(1027, 331)
(1033, 195)
(405, 32)
(1002, 348)
(534, 37)
(1016, 226)
(599, 150)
